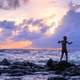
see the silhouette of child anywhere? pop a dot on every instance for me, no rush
(64, 43)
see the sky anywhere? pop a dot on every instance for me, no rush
(38, 23)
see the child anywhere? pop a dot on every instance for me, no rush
(64, 43)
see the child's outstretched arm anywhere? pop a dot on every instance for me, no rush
(69, 42)
(59, 41)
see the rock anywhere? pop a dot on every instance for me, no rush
(5, 70)
(14, 79)
(15, 71)
(23, 68)
(61, 66)
(19, 68)
(2, 50)
(57, 78)
(58, 66)
(5, 62)
(23, 63)
(19, 72)
(51, 64)
(72, 71)
(26, 65)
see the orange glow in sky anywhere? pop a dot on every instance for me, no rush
(12, 44)
(50, 12)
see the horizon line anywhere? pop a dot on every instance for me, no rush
(55, 49)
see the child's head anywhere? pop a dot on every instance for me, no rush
(65, 37)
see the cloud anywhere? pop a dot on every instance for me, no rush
(7, 24)
(18, 35)
(43, 8)
(70, 27)
(40, 25)
(9, 4)
(12, 4)
(6, 28)
(12, 44)
(42, 19)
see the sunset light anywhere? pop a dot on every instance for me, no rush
(39, 39)
(32, 20)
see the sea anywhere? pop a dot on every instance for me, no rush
(39, 57)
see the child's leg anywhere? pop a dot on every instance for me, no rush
(62, 55)
(66, 53)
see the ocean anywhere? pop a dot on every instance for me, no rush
(37, 57)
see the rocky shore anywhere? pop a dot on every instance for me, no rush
(64, 70)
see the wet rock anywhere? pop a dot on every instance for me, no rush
(58, 66)
(4, 70)
(2, 50)
(19, 72)
(72, 71)
(51, 64)
(23, 68)
(23, 63)
(57, 78)
(18, 68)
(27, 66)
(14, 79)
(5, 62)
(61, 66)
